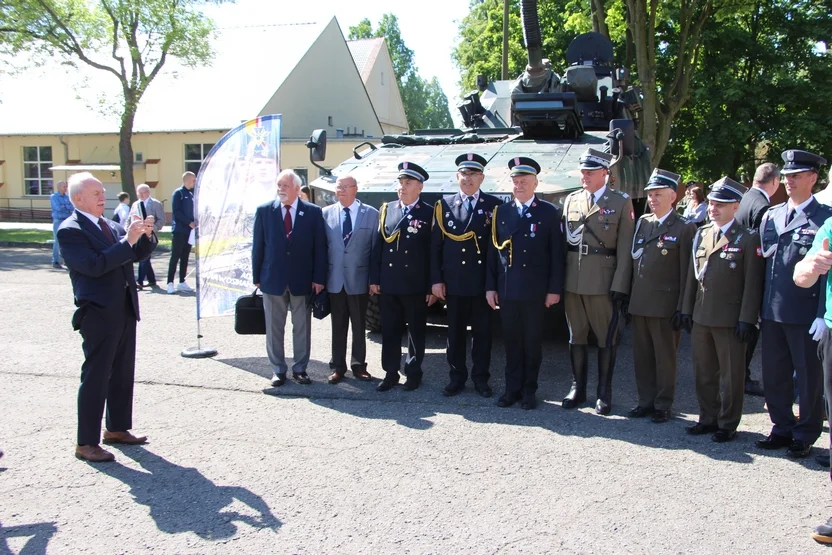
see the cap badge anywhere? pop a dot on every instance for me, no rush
(404, 165)
(790, 155)
(516, 161)
(470, 157)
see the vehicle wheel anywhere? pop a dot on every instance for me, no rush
(373, 315)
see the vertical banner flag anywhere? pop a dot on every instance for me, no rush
(239, 174)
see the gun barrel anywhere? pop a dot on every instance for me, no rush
(531, 33)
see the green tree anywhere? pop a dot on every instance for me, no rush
(425, 104)
(128, 39)
(760, 91)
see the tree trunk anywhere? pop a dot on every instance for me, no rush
(125, 147)
(643, 28)
(599, 17)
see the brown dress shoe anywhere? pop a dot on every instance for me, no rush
(93, 453)
(335, 377)
(125, 438)
(362, 374)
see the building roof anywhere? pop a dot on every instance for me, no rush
(365, 52)
(250, 64)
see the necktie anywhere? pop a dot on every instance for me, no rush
(105, 229)
(718, 235)
(287, 220)
(469, 204)
(790, 216)
(347, 230)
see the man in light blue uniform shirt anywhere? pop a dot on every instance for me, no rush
(61, 210)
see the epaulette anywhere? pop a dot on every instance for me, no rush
(622, 193)
(647, 215)
(684, 219)
(777, 206)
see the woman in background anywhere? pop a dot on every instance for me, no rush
(696, 209)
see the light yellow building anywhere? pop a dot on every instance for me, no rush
(305, 72)
(372, 57)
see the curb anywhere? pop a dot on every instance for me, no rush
(25, 245)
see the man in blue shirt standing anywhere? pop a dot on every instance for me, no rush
(182, 223)
(61, 210)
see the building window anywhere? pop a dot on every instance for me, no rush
(194, 155)
(329, 120)
(37, 177)
(382, 78)
(303, 173)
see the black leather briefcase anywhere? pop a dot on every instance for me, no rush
(249, 315)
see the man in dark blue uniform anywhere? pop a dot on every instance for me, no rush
(525, 275)
(461, 232)
(404, 276)
(792, 316)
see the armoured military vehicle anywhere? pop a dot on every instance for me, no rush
(543, 115)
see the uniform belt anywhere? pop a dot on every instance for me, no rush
(586, 249)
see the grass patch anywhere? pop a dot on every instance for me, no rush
(44, 236)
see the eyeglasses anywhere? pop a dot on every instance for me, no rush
(343, 187)
(468, 173)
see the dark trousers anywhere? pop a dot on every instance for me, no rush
(400, 312)
(462, 312)
(750, 347)
(655, 344)
(146, 272)
(789, 349)
(825, 353)
(348, 311)
(180, 250)
(109, 345)
(522, 336)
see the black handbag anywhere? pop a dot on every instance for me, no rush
(249, 315)
(320, 304)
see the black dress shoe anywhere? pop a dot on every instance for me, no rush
(483, 391)
(602, 408)
(640, 412)
(411, 384)
(721, 436)
(278, 380)
(753, 387)
(529, 402)
(301, 378)
(823, 533)
(452, 389)
(386, 384)
(799, 449)
(660, 416)
(823, 459)
(507, 400)
(701, 429)
(773, 441)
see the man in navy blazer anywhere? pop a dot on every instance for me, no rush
(288, 264)
(100, 254)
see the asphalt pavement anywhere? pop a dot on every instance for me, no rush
(236, 466)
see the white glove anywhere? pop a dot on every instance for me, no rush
(817, 329)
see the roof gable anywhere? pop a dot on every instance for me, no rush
(365, 52)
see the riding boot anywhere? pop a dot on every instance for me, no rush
(606, 365)
(577, 393)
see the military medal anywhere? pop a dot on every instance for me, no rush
(802, 251)
(796, 236)
(722, 254)
(732, 265)
(664, 252)
(532, 228)
(659, 244)
(600, 218)
(411, 230)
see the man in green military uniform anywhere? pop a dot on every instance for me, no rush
(598, 224)
(723, 293)
(661, 256)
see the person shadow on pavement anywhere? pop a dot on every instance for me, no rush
(181, 499)
(39, 535)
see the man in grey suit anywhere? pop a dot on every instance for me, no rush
(352, 235)
(153, 208)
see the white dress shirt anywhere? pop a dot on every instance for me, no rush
(293, 211)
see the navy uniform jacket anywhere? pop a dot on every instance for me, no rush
(100, 272)
(459, 247)
(783, 247)
(526, 256)
(296, 262)
(404, 249)
(183, 210)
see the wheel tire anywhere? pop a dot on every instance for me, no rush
(373, 315)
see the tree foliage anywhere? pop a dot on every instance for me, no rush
(425, 104)
(128, 39)
(762, 89)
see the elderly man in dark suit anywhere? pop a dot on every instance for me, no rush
(352, 238)
(152, 207)
(755, 203)
(100, 254)
(288, 263)
(525, 276)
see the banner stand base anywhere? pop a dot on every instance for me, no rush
(198, 352)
